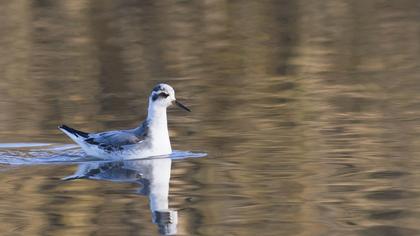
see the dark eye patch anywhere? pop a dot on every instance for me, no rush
(162, 95)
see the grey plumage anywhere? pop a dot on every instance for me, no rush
(151, 138)
(113, 139)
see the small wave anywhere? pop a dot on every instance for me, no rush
(178, 155)
(23, 145)
(49, 153)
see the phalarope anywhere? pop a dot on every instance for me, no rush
(151, 138)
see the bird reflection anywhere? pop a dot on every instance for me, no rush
(153, 174)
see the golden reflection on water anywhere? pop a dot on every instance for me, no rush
(308, 109)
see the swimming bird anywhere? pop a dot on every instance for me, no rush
(150, 138)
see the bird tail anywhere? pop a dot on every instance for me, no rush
(73, 133)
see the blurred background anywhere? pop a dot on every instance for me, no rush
(309, 112)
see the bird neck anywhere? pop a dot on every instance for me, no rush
(158, 127)
(156, 116)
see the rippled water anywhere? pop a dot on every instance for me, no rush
(308, 112)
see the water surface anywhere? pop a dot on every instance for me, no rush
(308, 111)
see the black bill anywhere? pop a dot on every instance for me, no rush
(182, 106)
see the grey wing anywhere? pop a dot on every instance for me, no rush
(118, 138)
(113, 138)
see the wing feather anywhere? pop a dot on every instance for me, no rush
(118, 138)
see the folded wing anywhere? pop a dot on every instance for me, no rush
(113, 138)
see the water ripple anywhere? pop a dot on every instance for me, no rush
(52, 153)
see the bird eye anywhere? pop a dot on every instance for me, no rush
(163, 94)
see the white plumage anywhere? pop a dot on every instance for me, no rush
(151, 138)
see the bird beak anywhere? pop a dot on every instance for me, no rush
(182, 106)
